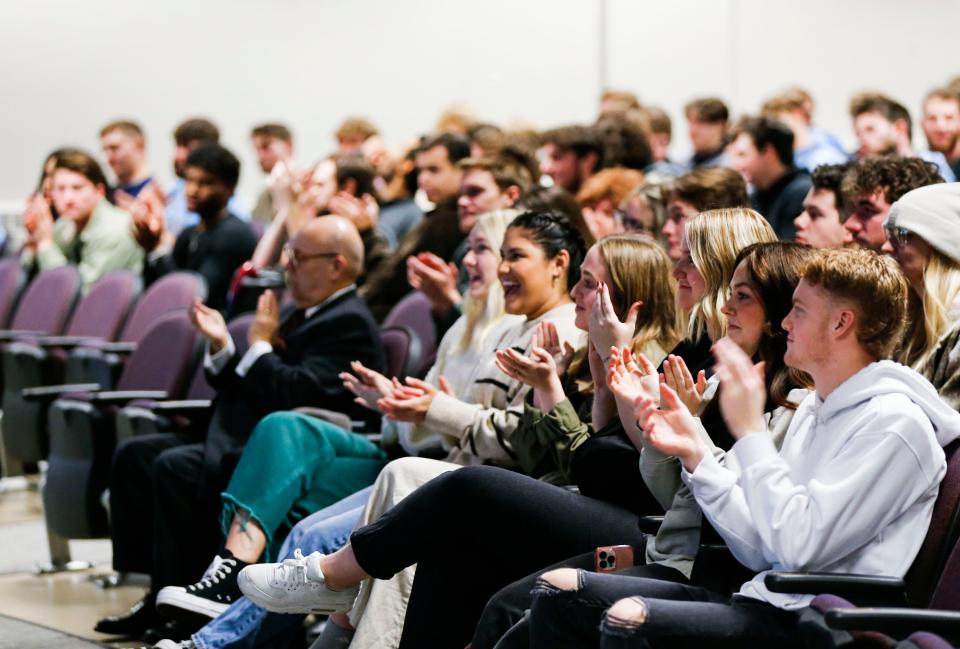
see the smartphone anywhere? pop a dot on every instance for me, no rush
(610, 558)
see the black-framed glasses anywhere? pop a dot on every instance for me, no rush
(898, 236)
(294, 258)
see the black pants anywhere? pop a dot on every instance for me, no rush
(677, 616)
(165, 509)
(507, 607)
(473, 531)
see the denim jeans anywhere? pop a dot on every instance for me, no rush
(245, 625)
(678, 616)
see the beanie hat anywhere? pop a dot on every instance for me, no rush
(933, 214)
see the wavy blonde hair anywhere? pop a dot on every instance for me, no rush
(715, 238)
(930, 316)
(483, 314)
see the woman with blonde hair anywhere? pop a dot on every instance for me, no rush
(921, 236)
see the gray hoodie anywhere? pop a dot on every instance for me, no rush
(851, 490)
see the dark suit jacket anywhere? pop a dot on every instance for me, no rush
(302, 371)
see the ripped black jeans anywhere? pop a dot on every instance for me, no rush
(675, 616)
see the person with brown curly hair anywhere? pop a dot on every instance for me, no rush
(872, 185)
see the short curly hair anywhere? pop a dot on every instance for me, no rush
(895, 175)
(874, 286)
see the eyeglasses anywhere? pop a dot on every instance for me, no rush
(294, 258)
(899, 237)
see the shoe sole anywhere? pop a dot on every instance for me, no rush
(269, 603)
(188, 609)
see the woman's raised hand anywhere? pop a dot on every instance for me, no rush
(632, 376)
(678, 377)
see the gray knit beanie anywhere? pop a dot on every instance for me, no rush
(933, 214)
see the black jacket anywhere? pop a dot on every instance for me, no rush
(215, 253)
(303, 370)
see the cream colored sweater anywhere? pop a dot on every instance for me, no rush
(475, 425)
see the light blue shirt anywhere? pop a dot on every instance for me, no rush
(179, 218)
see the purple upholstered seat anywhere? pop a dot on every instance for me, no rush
(29, 363)
(48, 301)
(12, 280)
(402, 349)
(82, 433)
(414, 312)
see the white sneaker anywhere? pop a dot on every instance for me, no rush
(294, 586)
(172, 644)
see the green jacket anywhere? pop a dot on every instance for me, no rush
(104, 244)
(544, 441)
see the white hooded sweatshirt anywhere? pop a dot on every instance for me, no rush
(851, 491)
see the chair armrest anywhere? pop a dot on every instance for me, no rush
(51, 392)
(650, 524)
(122, 347)
(13, 334)
(897, 622)
(65, 342)
(335, 418)
(181, 406)
(859, 589)
(121, 396)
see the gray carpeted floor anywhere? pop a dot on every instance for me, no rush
(15, 634)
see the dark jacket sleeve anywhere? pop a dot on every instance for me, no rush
(154, 269)
(313, 379)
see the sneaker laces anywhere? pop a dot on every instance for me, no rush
(218, 570)
(295, 573)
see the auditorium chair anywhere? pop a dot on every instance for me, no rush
(102, 361)
(190, 414)
(83, 435)
(13, 279)
(414, 312)
(33, 361)
(896, 606)
(43, 310)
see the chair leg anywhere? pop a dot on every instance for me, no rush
(12, 467)
(60, 560)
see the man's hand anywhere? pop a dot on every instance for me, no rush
(364, 211)
(211, 325)
(673, 430)
(437, 280)
(38, 220)
(606, 329)
(149, 223)
(743, 392)
(266, 322)
(677, 376)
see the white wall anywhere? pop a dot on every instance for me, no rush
(67, 67)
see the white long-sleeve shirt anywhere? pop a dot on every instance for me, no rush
(852, 489)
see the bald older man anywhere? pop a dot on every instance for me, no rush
(164, 493)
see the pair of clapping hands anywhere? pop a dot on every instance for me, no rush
(547, 361)
(407, 401)
(665, 406)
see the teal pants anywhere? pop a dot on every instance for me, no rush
(294, 465)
